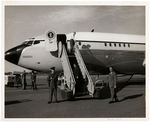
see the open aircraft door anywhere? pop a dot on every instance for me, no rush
(64, 57)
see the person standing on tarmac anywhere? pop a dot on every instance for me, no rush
(24, 80)
(33, 78)
(52, 82)
(112, 85)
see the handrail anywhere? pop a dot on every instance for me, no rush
(68, 73)
(84, 70)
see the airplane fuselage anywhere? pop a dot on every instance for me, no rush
(125, 53)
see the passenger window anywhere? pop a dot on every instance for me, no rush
(109, 44)
(119, 45)
(124, 44)
(128, 45)
(115, 44)
(36, 42)
(79, 43)
(105, 44)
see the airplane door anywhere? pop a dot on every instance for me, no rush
(51, 41)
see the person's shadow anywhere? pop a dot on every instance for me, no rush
(131, 97)
(105, 92)
(16, 101)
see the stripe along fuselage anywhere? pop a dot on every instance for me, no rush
(125, 53)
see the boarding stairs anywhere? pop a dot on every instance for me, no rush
(77, 77)
(84, 71)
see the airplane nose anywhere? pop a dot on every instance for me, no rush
(13, 55)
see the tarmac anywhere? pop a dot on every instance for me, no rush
(30, 103)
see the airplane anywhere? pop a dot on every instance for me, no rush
(124, 52)
(88, 51)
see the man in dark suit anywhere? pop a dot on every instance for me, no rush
(33, 78)
(24, 80)
(52, 82)
(112, 85)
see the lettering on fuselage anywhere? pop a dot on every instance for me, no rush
(28, 56)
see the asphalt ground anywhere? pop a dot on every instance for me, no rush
(30, 103)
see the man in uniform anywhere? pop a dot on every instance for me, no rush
(112, 85)
(52, 81)
(33, 78)
(24, 80)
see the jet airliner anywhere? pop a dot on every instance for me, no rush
(124, 52)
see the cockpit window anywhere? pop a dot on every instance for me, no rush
(29, 42)
(40, 40)
(25, 42)
(36, 42)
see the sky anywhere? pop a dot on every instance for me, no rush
(23, 22)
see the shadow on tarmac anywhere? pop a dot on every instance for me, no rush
(82, 98)
(122, 85)
(131, 97)
(90, 98)
(16, 101)
(105, 92)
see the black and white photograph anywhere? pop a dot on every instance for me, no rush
(74, 61)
